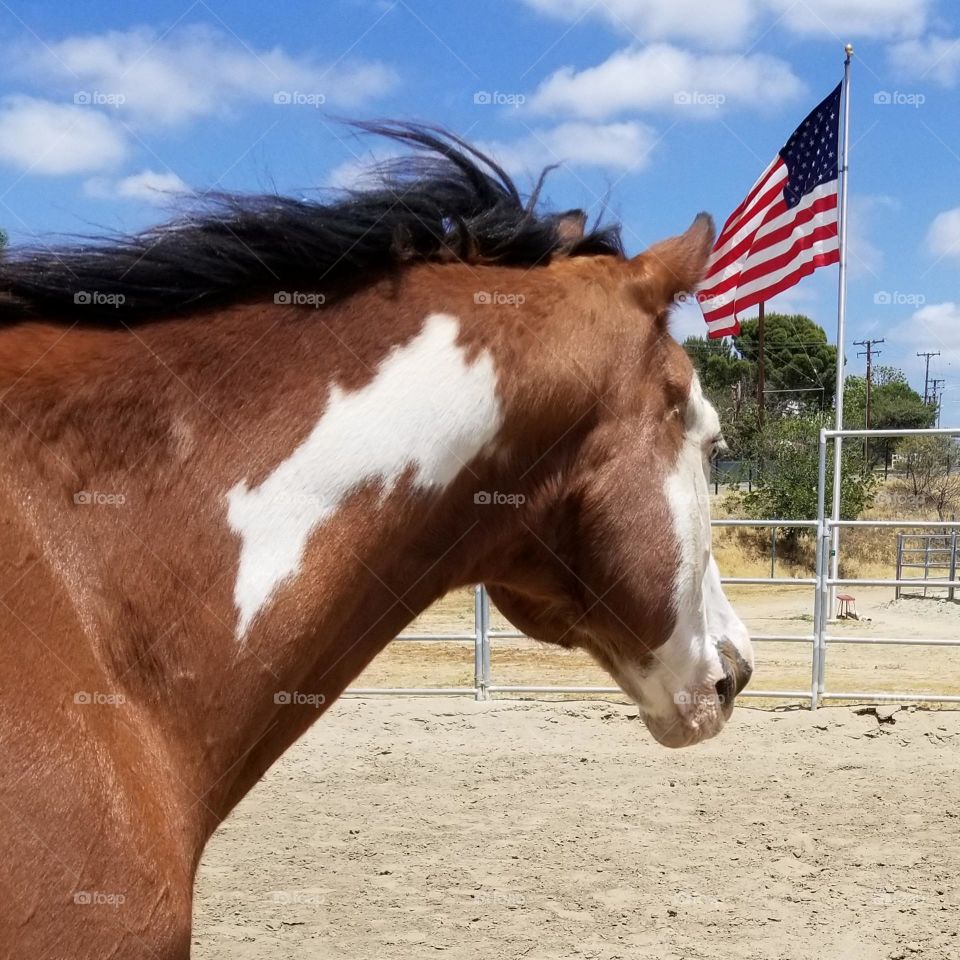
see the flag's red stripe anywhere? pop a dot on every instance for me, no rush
(752, 299)
(734, 252)
(767, 240)
(748, 200)
(776, 264)
(731, 227)
(822, 232)
(822, 260)
(775, 205)
(731, 331)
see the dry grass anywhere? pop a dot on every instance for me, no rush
(867, 552)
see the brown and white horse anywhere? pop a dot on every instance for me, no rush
(242, 451)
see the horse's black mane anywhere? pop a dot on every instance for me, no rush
(445, 201)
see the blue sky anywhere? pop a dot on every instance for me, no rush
(656, 108)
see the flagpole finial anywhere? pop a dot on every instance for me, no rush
(848, 50)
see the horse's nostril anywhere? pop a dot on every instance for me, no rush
(736, 672)
(726, 689)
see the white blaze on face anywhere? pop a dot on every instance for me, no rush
(678, 693)
(427, 410)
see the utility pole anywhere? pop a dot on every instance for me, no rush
(761, 318)
(926, 375)
(869, 353)
(935, 386)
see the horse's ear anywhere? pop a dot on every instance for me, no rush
(672, 266)
(571, 227)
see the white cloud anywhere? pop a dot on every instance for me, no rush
(937, 325)
(149, 186)
(711, 24)
(943, 237)
(863, 255)
(37, 136)
(615, 146)
(686, 320)
(848, 19)
(733, 23)
(667, 78)
(802, 298)
(932, 58)
(190, 73)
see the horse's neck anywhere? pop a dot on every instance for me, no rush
(349, 501)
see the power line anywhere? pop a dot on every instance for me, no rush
(937, 397)
(869, 353)
(926, 374)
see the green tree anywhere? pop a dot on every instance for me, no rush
(894, 405)
(797, 357)
(786, 485)
(718, 365)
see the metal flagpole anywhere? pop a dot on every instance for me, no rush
(841, 322)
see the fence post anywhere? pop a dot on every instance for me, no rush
(953, 563)
(478, 642)
(485, 641)
(773, 551)
(820, 597)
(896, 589)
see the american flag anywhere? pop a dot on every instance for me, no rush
(784, 229)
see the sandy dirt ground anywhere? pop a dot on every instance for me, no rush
(420, 828)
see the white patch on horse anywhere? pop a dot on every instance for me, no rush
(427, 409)
(678, 692)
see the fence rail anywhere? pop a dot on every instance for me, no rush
(822, 585)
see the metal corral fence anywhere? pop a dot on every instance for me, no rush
(926, 552)
(822, 585)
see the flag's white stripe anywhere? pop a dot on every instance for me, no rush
(751, 218)
(824, 190)
(757, 259)
(752, 193)
(771, 279)
(738, 266)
